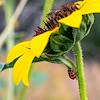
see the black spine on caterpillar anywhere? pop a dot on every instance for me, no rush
(53, 17)
(72, 74)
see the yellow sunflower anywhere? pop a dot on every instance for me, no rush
(26, 51)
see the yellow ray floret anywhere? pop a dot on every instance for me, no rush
(73, 20)
(85, 7)
(26, 51)
(17, 51)
(22, 67)
(39, 42)
(90, 7)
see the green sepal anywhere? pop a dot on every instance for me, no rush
(84, 29)
(62, 43)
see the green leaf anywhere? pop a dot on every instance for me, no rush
(10, 65)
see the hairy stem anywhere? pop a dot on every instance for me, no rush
(80, 70)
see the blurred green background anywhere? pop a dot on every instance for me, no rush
(48, 81)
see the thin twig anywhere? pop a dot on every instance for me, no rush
(12, 22)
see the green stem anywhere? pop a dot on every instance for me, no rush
(46, 9)
(80, 70)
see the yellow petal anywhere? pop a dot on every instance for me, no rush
(17, 51)
(39, 42)
(73, 20)
(21, 68)
(91, 0)
(90, 7)
(79, 4)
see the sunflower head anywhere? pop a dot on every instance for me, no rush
(64, 40)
